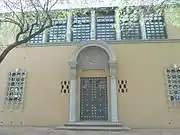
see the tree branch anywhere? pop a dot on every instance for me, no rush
(7, 50)
(41, 15)
(36, 11)
(13, 11)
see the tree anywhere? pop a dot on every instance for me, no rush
(21, 17)
(173, 14)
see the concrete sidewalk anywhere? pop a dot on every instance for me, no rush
(51, 131)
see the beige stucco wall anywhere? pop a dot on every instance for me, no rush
(172, 31)
(43, 103)
(143, 106)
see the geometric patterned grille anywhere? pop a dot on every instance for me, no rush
(38, 38)
(130, 28)
(105, 27)
(172, 76)
(58, 31)
(81, 29)
(122, 86)
(15, 89)
(155, 27)
(65, 86)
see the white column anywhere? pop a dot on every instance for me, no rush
(113, 92)
(69, 27)
(45, 35)
(72, 94)
(93, 25)
(117, 24)
(142, 25)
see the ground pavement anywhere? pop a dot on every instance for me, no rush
(51, 131)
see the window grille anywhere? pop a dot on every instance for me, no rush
(15, 89)
(173, 83)
(122, 86)
(105, 27)
(130, 27)
(38, 38)
(155, 27)
(81, 28)
(58, 31)
(65, 86)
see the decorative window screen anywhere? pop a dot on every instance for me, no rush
(58, 31)
(155, 26)
(130, 27)
(105, 27)
(122, 86)
(81, 28)
(65, 86)
(38, 38)
(173, 82)
(15, 89)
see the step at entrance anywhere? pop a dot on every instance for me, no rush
(93, 126)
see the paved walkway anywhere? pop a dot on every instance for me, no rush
(50, 131)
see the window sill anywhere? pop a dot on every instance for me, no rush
(109, 42)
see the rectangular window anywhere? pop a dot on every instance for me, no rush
(38, 38)
(155, 27)
(81, 28)
(130, 27)
(105, 26)
(58, 31)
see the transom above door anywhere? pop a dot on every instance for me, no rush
(93, 98)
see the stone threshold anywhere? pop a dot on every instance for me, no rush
(93, 126)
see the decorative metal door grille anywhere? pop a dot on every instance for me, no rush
(93, 98)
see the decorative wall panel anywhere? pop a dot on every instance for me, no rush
(65, 86)
(14, 96)
(122, 86)
(172, 76)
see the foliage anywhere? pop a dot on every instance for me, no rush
(23, 16)
(173, 14)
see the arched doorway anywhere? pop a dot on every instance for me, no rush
(93, 55)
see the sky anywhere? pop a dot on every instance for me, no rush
(68, 4)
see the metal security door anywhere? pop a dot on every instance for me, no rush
(93, 98)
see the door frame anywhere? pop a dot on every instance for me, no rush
(112, 64)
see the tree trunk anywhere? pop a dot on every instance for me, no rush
(7, 50)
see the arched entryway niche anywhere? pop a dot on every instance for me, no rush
(93, 55)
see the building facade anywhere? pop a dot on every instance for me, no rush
(95, 68)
